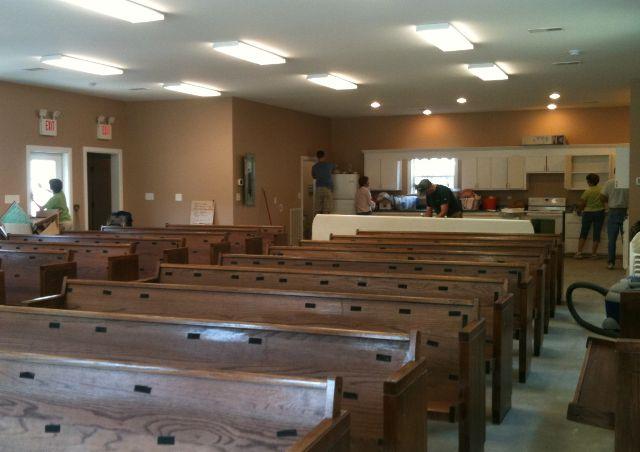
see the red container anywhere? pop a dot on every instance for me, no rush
(490, 203)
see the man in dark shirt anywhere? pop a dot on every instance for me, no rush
(439, 199)
(322, 173)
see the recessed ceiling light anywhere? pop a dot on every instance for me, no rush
(552, 106)
(193, 89)
(444, 36)
(78, 64)
(120, 9)
(487, 71)
(544, 30)
(426, 112)
(461, 100)
(248, 52)
(331, 81)
(375, 105)
(554, 96)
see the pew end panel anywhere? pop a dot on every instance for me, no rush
(527, 342)
(627, 418)
(3, 297)
(52, 277)
(472, 428)
(502, 386)
(176, 255)
(217, 250)
(405, 401)
(331, 435)
(253, 245)
(123, 268)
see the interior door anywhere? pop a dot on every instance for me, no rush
(43, 167)
(98, 189)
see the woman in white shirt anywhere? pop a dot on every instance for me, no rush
(364, 203)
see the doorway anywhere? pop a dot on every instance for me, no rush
(43, 164)
(103, 185)
(307, 188)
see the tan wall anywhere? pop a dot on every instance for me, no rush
(581, 126)
(76, 128)
(277, 137)
(181, 146)
(634, 164)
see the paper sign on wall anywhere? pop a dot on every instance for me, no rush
(202, 212)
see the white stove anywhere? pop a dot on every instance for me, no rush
(548, 209)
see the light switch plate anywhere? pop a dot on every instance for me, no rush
(149, 196)
(179, 197)
(8, 199)
(637, 180)
(238, 197)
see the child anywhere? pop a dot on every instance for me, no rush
(364, 203)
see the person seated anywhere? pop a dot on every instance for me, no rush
(364, 203)
(57, 202)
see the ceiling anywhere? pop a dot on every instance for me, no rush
(370, 41)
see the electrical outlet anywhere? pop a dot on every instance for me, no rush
(637, 180)
(9, 199)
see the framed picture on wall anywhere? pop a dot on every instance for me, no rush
(249, 180)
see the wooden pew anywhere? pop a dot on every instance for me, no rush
(32, 274)
(271, 235)
(151, 251)
(608, 391)
(3, 298)
(555, 240)
(114, 262)
(198, 239)
(58, 403)
(536, 264)
(453, 336)
(384, 382)
(521, 284)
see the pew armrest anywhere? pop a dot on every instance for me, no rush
(331, 435)
(52, 277)
(405, 408)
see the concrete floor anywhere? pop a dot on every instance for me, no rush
(537, 420)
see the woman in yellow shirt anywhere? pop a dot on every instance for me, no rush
(592, 209)
(58, 202)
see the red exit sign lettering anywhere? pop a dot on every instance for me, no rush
(104, 131)
(48, 127)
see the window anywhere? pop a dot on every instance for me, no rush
(44, 164)
(441, 171)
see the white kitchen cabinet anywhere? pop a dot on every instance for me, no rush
(468, 172)
(516, 176)
(572, 226)
(372, 171)
(390, 174)
(536, 163)
(483, 173)
(555, 163)
(499, 173)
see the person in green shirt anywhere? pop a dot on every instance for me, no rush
(592, 209)
(58, 202)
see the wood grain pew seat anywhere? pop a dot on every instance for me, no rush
(491, 293)
(241, 243)
(114, 262)
(271, 235)
(521, 284)
(555, 240)
(151, 251)
(32, 274)
(536, 265)
(52, 402)
(384, 383)
(453, 336)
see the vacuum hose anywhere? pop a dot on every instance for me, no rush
(582, 322)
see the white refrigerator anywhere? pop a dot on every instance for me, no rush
(344, 193)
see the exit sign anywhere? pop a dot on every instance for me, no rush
(48, 127)
(104, 131)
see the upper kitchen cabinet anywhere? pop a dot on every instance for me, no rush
(468, 172)
(541, 163)
(578, 166)
(516, 174)
(494, 173)
(384, 172)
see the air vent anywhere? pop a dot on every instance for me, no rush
(544, 30)
(35, 69)
(567, 63)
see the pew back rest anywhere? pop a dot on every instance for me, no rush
(187, 408)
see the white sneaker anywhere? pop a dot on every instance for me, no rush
(578, 256)
(610, 266)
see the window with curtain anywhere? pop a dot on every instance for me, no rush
(441, 171)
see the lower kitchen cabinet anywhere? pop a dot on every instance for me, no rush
(572, 226)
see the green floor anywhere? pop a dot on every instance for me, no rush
(537, 420)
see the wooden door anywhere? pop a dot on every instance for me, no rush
(98, 189)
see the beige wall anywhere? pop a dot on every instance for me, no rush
(581, 126)
(277, 137)
(634, 164)
(76, 128)
(181, 146)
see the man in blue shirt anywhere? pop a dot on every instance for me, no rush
(321, 172)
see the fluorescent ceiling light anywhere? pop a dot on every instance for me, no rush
(487, 71)
(554, 96)
(120, 9)
(331, 81)
(552, 106)
(190, 88)
(78, 64)
(461, 100)
(247, 52)
(426, 112)
(375, 104)
(444, 36)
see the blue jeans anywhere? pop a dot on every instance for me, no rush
(615, 221)
(597, 219)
